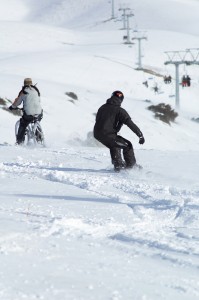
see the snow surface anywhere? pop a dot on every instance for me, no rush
(71, 228)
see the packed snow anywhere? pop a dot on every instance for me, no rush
(71, 228)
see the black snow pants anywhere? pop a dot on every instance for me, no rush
(122, 146)
(119, 146)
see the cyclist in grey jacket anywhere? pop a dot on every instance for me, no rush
(29, 96)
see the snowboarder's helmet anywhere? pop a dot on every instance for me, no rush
(118, 94)
(27, 81)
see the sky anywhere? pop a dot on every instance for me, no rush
(70, 227)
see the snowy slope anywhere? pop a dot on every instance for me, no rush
(74, 230)
(70, 228)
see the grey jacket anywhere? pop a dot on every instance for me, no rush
(31, 101)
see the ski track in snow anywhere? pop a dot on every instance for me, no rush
(163, 217)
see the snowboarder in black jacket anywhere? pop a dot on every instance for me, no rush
(109, 120)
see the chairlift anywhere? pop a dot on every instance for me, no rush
(167, 79)
(186, 81)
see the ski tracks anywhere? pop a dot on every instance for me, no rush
(163, 217)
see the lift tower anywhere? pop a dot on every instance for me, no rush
(124, 16)
(112, 9)
(139, 37)
(129, 15)
(177, 58)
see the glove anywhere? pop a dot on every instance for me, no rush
(10, 107)
(141, 140)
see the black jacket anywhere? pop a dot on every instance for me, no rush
(110, 118)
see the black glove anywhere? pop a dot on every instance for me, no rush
(141, 140)
(10, 107)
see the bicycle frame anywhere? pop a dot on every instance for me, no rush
(30, 134)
